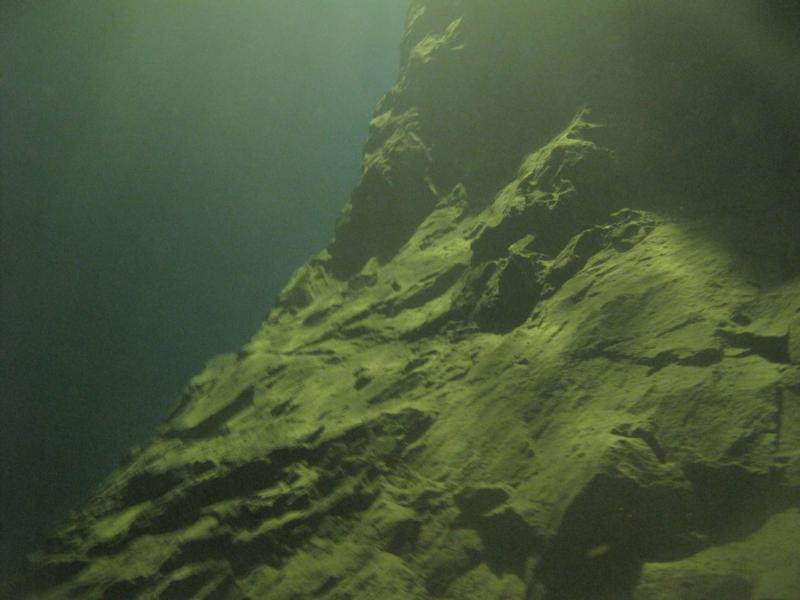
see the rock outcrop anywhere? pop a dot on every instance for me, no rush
(552, 353)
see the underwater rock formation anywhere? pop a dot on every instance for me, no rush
(552, 353)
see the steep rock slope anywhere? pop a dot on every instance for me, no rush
(553, 352)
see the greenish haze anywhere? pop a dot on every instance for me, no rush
(165, 167)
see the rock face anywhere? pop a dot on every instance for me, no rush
(551, 355)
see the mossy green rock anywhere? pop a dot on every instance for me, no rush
(794, 340)
(522, 370)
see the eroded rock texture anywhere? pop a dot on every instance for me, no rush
(552, 353)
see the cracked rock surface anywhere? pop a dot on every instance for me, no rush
(523, 370)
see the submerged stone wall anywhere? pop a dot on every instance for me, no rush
(551, 354)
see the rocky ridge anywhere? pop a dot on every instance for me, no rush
(524, 368)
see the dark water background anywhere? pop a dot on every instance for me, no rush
(164, 168)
